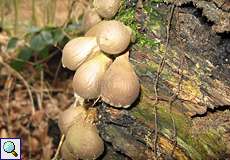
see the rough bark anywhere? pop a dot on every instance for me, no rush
(193, 118)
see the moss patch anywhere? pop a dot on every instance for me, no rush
(152, 23)
(197, 146)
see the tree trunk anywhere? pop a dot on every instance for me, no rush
(183, 109)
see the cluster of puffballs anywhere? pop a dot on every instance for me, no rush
(101, 61)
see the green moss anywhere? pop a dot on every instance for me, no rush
(165, 74)
(197, 146)
(127, 15)
(143, 112)
(154, 24)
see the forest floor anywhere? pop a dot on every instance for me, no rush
(32, 99)
(34, 119)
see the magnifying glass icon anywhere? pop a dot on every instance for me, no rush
(9, 147)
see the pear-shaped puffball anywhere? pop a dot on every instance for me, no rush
(113, 37)
(90, 19)
(70, 116)
(84, 141)
(120, 84)
(96, 30)
(77, 50)
(87, 79)
(107, 8)
(65, 153)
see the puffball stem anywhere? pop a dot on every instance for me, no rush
(78, 100)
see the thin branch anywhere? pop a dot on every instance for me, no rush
(96, 100)
(59, 148)
(57, 72)
(70, 10)
(171, 100)
(169, 26)
(42, 86)
(40, 94)
(47, 58)
(8, 109)
(159, 71)
(20, 77)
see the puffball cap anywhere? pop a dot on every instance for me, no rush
(90, 19)
(87, 79)
(107, 8)
(69, 117)
(120, 84)
(65, 153)
(77, 50)
(84, 141)
(113, 37)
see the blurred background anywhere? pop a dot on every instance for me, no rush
(34, 87)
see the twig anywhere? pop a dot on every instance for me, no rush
(29, 139)
(156, 131)
(78, 100)
(160, 69)
(171, 100)
(40, 94)
(47, 58)
(59, 148)
(169, 26)
(46, 90)
(59, 64)
(57, 72)
(70, 10)
(8, 87)
(96, 101)
(139, 7)
(174, 96)
(19, 76)
(41, 87)
(38, 100)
